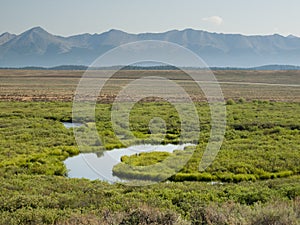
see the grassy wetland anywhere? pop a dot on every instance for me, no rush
(255, 178)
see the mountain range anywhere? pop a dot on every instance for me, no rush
(37, 47)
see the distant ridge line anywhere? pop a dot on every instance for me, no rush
(164, 67)
(39, 48)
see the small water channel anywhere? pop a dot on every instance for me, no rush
(71, 125)
(99, 166)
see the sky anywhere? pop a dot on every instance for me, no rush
(69, 17)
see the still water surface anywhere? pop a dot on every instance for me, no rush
(99, 166)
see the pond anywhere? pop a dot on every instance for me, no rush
(99, 166)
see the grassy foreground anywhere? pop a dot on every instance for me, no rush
(261, 143)
(36, 199)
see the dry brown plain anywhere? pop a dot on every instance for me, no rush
(54, 85)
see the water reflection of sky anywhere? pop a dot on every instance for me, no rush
(71, 125)
(89, 166)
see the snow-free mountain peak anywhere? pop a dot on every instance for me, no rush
(37, 47)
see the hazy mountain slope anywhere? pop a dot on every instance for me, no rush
(37, 47)
(5, 37)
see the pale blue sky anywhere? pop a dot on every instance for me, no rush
(68, 17)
